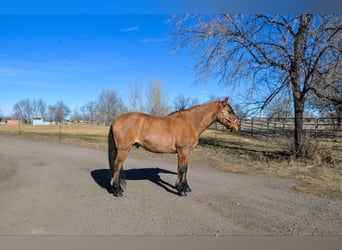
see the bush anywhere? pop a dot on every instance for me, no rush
(318, 151)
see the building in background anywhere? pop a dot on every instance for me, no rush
(40, 122)
(13, 122)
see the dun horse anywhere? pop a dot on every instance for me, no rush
(178, 133)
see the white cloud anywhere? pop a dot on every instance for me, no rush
(153, 40)
(130, 29)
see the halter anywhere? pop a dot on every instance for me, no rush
(229, 120)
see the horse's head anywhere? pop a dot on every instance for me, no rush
(226, 116)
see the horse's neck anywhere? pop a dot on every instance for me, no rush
(203, 116)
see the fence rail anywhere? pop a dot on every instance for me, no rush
(318, 127)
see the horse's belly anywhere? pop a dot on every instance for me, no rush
(159, 144)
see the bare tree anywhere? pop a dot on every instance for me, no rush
(288, 51)
(135, 98)
(181, 102)
(26, 109)
(58, 112)
(156, 100)
(76, 116)
(89, 111)
(239, 111)
(327, 97)
(39, 108)
(110, 106)
(280, 107)
(23, 110)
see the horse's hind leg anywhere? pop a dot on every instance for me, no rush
(182, 184)
(117, 177)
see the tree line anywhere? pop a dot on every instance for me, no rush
(109, 105)
(26, 110)
(105, 108)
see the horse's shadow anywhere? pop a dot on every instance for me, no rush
(102, 177)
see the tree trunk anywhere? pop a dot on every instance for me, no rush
(298, 100)
(298, 89)
(298, 132)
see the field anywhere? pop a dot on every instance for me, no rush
(232, 152)
(84, 135)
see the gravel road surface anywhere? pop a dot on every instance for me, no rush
(56, 189)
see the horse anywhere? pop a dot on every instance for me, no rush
(177, 132)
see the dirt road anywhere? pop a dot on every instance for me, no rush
(57, 189)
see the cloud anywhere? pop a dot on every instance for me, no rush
(130, 29)
(153, 40)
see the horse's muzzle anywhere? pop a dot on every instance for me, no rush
(235, 125)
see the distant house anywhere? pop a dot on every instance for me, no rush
(13, 122)
(41, 122)
(37, 121)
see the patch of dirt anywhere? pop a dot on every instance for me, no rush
(7, 167)
(60, 189)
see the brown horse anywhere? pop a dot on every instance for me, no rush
(176, 133)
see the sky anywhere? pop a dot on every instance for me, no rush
(71, 50)
(72, 57)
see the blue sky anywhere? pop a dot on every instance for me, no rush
(73, 57)
(72, 49)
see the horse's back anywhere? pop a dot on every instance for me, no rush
(127, 117)
(155, 133)
(128, 122)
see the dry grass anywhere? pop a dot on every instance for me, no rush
(84, 135)
(321, 175)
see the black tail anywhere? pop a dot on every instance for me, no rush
(111, 151)
(119, 184)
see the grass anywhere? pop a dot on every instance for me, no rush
(321, 174)
(231, 152)
(84, 135)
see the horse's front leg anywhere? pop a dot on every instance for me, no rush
(182, 184)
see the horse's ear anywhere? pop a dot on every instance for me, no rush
(225, 101)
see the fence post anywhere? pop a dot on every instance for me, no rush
(252, 123)
(19, 127)
(60, 130)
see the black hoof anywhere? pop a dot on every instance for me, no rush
(118, 194)
(186, 188)
(182, 194)
(182, 188)
(117, 191)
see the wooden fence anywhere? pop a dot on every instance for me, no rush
(318, 127)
